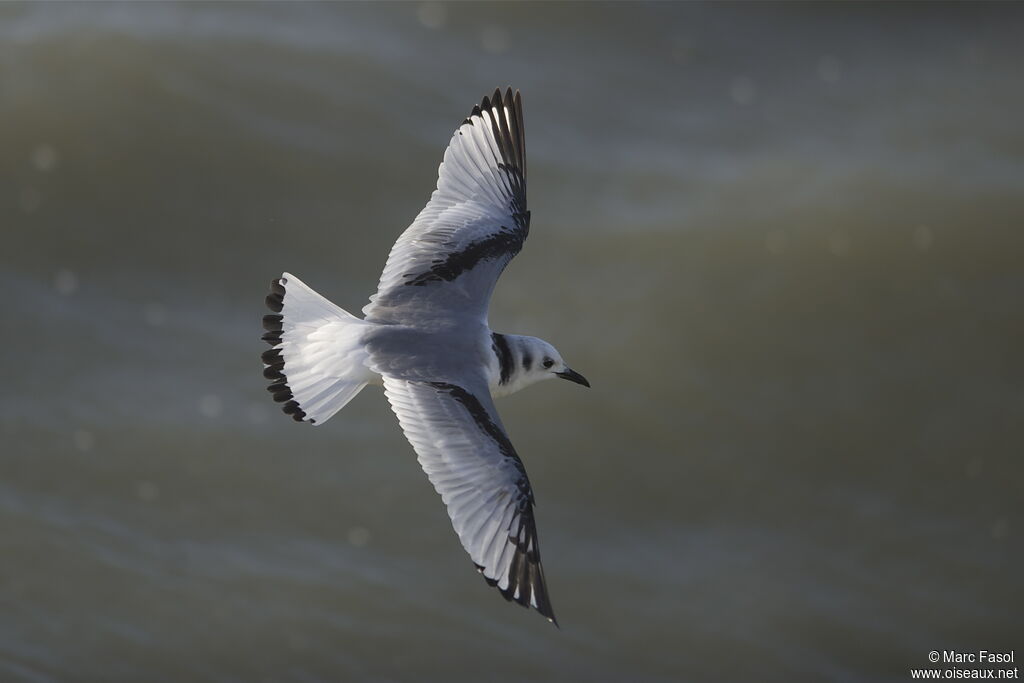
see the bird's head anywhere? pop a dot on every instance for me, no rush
(543, 361)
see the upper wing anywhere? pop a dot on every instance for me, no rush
(465, 452)
(447, 262)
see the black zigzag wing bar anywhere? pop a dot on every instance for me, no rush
(504, 244)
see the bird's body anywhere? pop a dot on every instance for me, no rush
(426, 338)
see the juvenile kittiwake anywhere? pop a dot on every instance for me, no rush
(425, 337)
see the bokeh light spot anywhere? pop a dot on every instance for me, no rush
(829, 69)
(84, 440)
(44, 158)
(211, 406)
(742, 91)
(358, 536)
(65, 282)
(494, 39)
(432, 14)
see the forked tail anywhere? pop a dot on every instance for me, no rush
(318, 363)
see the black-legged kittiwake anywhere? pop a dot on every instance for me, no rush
(425, 337)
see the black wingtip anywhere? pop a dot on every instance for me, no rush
(543, 606)
(506, 122)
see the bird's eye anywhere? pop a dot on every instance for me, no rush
(548, 363)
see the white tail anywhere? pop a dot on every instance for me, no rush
(318, 363)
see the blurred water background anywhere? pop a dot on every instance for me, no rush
(784, 242)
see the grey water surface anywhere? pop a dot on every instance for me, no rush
(785, 243)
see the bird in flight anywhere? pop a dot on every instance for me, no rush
(426, 338)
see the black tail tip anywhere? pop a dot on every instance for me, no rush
(275, 300)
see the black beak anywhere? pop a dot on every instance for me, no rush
(573, 376)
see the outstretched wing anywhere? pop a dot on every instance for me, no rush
(463, 448)
(445, 264)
